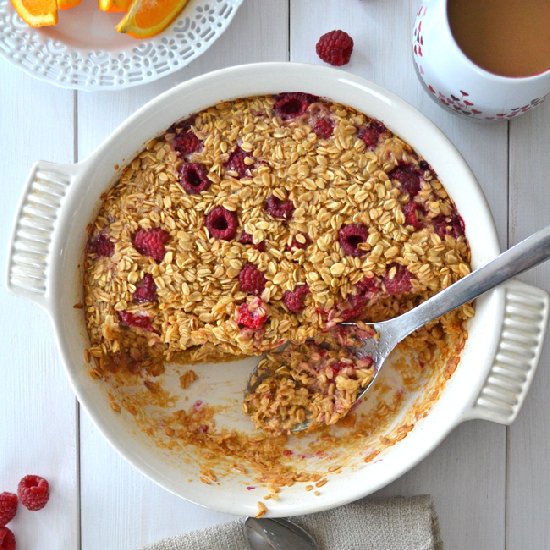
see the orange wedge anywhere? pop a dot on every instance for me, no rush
(67, 4)
(37, 13)
(114, 5)
(150, 17)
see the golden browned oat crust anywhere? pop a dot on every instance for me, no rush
(332, 182)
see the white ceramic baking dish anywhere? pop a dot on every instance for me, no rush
(498, 360)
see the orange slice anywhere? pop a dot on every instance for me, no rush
(150, 17)
(37, 13)
(114, 5)
(67, 4)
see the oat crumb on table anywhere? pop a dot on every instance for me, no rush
(262, 509)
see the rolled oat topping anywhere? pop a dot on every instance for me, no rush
(339, 218)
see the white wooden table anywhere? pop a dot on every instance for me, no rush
(491, 484)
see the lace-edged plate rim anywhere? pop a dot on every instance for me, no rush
(68, 66)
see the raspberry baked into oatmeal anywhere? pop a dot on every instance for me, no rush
(259, 221)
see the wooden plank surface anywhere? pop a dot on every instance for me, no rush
(466, 474)
(486, 498)
(141, 512)
(528, 487)
(38, 427)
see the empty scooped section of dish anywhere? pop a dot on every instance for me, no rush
(206, 439)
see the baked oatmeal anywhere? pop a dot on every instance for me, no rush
(310, 383)
(260, 221)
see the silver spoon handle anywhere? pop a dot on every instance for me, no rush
(524, 255)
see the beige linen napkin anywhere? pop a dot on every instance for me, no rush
(397, 523)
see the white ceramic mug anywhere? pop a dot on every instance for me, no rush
(460, 85)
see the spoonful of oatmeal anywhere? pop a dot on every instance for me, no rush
(306, 385)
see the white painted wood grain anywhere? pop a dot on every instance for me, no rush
(528, 488)
(121, 509)
(466, 475)
(37, 407)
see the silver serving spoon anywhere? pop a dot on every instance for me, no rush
(526, 254)
(277, 534)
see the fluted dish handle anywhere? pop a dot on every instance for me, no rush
(29, 259)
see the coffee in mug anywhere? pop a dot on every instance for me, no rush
(484, 59)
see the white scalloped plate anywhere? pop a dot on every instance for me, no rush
(84, 52)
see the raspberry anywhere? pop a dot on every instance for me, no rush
(448, 225)
(7, 539)
(401, 281)
(150, 242)
(351, 236)
(368, 287)
(33, 492)
(8, 508)
(236, 163)
(221, 223)
(335, 48)
(295, 244)
(136, 320)
(411, 210)
(290, 105)
(279, 209)
(194, 178)
(408, 178)
(370, 133)
(294, 300)
(146, 290)
(186, 143)
(246, 238)
(102, 246)
(252, 315)
(183, 125)
(323, 127)
(252, 280)
(354, 308)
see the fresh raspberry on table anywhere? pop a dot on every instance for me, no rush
(351, 236)
(7, 539)
(136, 320)
(8, 508)
(194, 178)
(236, 163)
(449, 225)
(370, 134)
(335, 48)
(412, 210)
(296, 244)
(294, 300)
(221, 223)
(323, 127)
(251, 279)
(289, 105)
(279, 209)
(246, 238)
(252, 315)
(102, 246)
(33, 492)
(406, 175)
(146, 290)
(401, 281)
(186, 143)
(150, 242)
